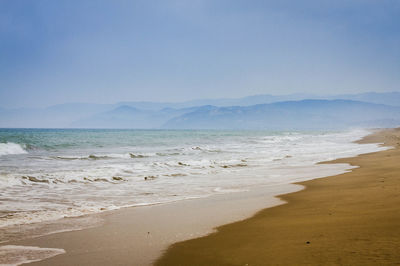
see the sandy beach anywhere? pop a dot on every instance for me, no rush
(199, 133)
(348, 219)
(139, 235)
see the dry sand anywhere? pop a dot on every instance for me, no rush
(348, 219)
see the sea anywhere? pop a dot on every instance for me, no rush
(53, 174)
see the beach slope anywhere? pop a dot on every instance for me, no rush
(348, 219)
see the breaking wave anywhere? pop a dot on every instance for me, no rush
(10, 148)
(102, 157)
(27, 180)
(130, 155)
(17, 255)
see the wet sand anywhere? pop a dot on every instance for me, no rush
(347, 219)
(139, 235)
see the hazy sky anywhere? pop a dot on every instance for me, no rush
(107, 51)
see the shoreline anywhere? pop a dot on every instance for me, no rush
(139, 229)
(154, 236)
(346, 219)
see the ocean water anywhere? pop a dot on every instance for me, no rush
(48, 174)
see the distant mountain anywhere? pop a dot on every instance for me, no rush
(387, 98)
(80, 108)
(56, 116)
(250, 100)
(142, 114)
(130, 117)
(120, 117)
(300, 115)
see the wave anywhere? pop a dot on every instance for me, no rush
(234, 165)
(17, 255)
(33, 179)
(89, 157)
(205, 149)
(131, 155)
(10, 148)
(102, 157)
(135, 156)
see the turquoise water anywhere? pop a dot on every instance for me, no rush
(58, 139)
(47, 174)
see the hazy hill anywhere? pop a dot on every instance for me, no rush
(387, 98)
(302, 115)
(130, 117)
(61, 115)
(156, 114)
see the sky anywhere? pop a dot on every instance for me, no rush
(101, 51)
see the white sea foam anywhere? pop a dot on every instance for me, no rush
(11, 148)
(11, 255)
(52, 184)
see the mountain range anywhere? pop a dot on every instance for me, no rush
(295, 111)
(290, 115)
